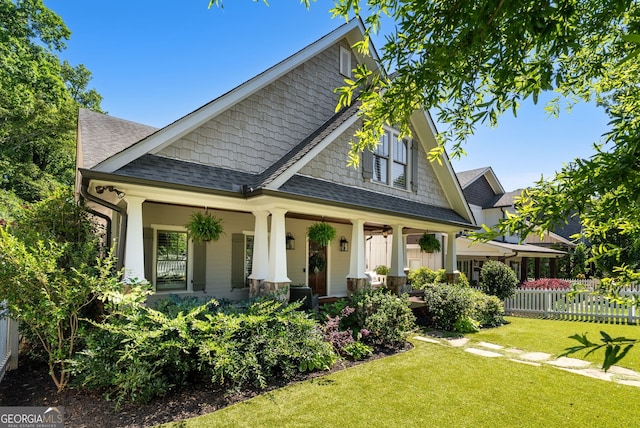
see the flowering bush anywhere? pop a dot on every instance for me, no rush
(546, 284)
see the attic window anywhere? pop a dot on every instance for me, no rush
(345, 62)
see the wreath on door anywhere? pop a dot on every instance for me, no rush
(317, 263)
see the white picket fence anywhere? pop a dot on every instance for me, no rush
(585, 306)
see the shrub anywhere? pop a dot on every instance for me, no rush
(446, 305)
(546, 284)
(138, 352)
(498, 279)
(487, 310)
(386, 317)
(454, 308)
(49, 274)
(422, 276)
(342, 339)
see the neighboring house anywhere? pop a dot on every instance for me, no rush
(268, 158)
(490, 203)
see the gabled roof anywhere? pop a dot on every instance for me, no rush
(466, 178)
(101, 136)
(505, 199)
(154, 143)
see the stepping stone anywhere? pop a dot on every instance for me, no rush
(623, 372)
(536, 356)
(483, 352)
(592, 373)
(569, 362)
(629, 382)
(490, 345)
(461, 341)
(426, 339)
(514, 351)
(529, 363)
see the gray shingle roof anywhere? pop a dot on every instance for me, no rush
(359, 198)
(103, 136)
(166, 170)
(466, 177)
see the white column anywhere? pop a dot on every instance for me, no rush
(451, 260)
(134, 247)
(277, 272)
(397, 252)
(260, 263)
(357, 262)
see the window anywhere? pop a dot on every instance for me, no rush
(345, 62)
(391, 160)
(171, 260)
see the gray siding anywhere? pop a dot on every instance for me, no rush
(259, 130)
(480, 193)
(331, 165)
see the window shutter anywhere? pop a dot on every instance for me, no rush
(199, 266)
(414, 166)
(147, 245)
(367, 164)
(237, 261)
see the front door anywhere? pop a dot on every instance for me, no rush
(317, 268)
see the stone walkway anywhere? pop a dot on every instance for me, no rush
(585, 368)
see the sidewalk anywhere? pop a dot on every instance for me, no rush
(585, 368)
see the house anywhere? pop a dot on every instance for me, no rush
(489, 203)
(268, 158)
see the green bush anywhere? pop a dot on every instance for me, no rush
(138, 352)
(447, 305)
(454, 308)
(423, 276)
(487, 310)
(498, 279)
(272, 340)
(385, 318)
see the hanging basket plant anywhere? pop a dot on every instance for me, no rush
(204, 227)
(321, 233)
(429, 243)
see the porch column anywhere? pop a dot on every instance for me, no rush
(451, 260)
(260, 262)
(134, 250)
(524, 269)
(396, 280)
(356, 278)
(277, 280)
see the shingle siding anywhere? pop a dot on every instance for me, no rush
(331, 165)
(278, 116)
(480, 193)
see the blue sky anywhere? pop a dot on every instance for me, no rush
(155, 61)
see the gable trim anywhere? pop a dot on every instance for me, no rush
(304, 160)
(171, 133)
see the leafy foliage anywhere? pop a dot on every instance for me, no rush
(546, 284)
(615, 348)
(498, 279)
(138, 352)
(39, 100)
(423, 276)
(386, 317)
(51, 267)
(204, 227)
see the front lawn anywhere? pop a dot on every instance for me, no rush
(441, 386)
(552, 336)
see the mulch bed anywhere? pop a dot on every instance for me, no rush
(30, 385)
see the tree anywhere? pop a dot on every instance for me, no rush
(472, 61)
(39, 99)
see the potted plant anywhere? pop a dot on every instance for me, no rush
(204, 227)
(382, 270)
(322, 233)
(429, 243)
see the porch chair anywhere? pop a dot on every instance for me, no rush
(305, 295)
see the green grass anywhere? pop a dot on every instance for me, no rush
(551, 336)
(442, 386)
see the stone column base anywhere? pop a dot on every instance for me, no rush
(260, 287)
(396, 284)
(452, 277)
(354, 284)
